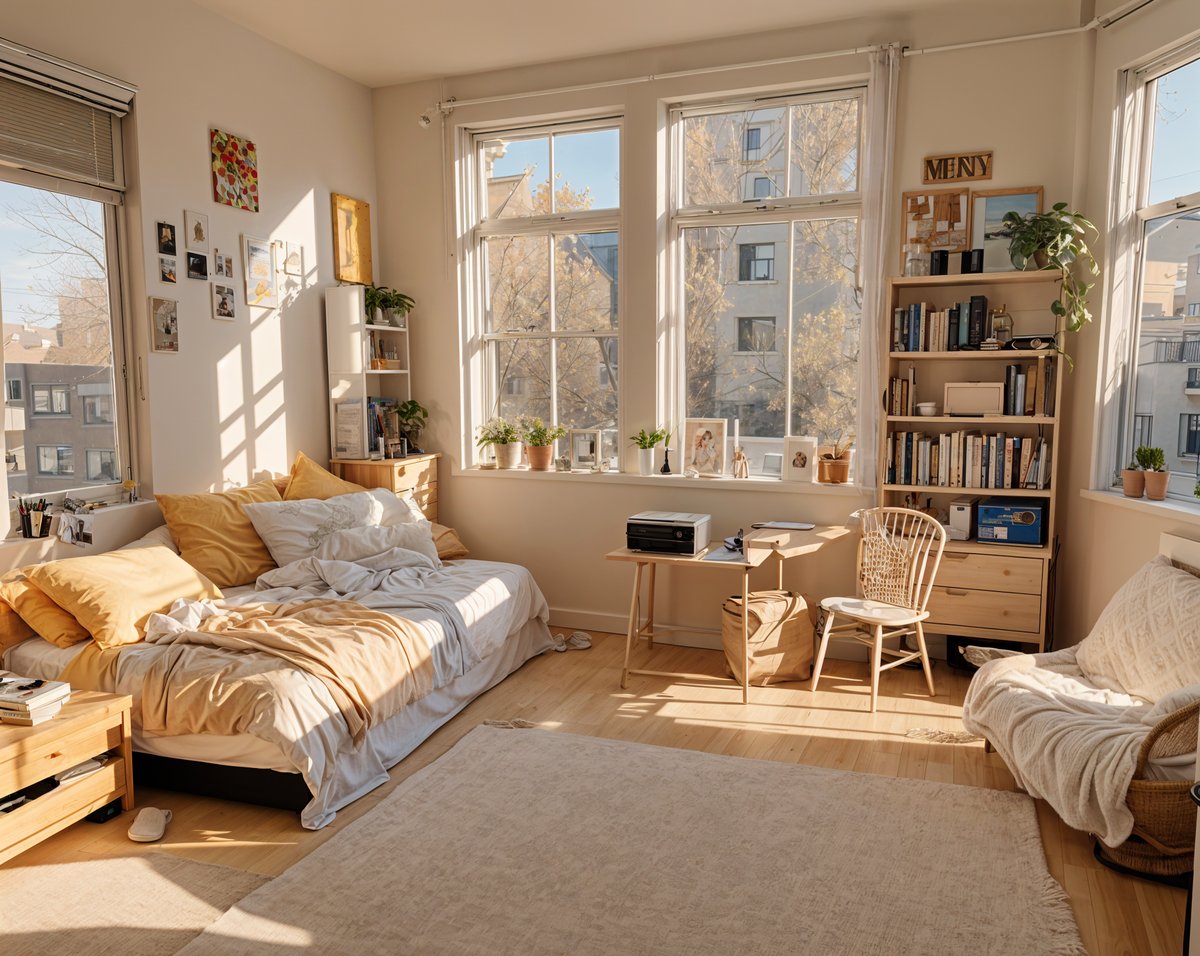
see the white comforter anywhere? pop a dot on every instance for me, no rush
(1066, 740)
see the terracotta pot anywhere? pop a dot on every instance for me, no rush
(1156, 484)
(1133, 482)
(541, 457)
(509, 455)
(834, 471)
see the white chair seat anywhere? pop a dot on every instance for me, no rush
(873, 612)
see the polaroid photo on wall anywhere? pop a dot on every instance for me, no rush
(166, 239)
(164, 324)
(224, 302)
(166, 269)
(293, 259)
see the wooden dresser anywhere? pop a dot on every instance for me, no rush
(412, 477)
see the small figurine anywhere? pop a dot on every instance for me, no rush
(741, 465)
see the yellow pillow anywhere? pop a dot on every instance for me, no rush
(113, 594)
(214, 535)
(38, 611)
(310, 480)
(13, 630)
(449, 545)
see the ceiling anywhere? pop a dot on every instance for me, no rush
(384, 42)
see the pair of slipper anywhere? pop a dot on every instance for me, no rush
(578, 641)
(149, 825)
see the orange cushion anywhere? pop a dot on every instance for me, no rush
(13, 629)
(449, 545)
(38, 611)
(310, 480)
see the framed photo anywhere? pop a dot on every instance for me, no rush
(234, 170)
(583, 445)
(800, 459)
(772, 466)
(224, 302)
(940, 218)
(704, 445)
(988, 231)
(195, 230)
(258, 260)
(222, 264)
(166, 269)
(166, 239)
(164, 324)
(351, 240)
(293, 259)
(197, 265)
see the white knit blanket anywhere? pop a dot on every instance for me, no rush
(1066, 739)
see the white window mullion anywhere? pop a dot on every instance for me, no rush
(552, 344)
(791, 295)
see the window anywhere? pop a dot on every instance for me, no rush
(1158, 197)
(55, 460)
(546, 273)
(12, 390)
(763, 188)
(101, 465)
(97, 409)
(756, 262)
(51, 399)
(781, 357)
(756, 333)
(753, 150)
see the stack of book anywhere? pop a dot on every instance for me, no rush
(919, 327)
(968, 459)
(29, 702)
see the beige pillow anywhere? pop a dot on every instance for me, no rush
(215, 536)
(38, 611)
(158, 536)
(13, 629)
(1147, 640)
(448, 544)
(113, 594)
(310, 480)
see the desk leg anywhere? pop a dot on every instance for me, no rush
(780, 558)
(745, 635)
(649, 625)
(634, 611)
(127, 801)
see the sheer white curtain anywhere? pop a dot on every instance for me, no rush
(880, 129)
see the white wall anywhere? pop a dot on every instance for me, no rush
(560, 526)
(242, 397)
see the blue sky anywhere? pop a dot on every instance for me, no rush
(1176, 167)
(580, 159)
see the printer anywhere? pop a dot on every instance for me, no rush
(667, 532)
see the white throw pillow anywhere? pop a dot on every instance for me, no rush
(398, 510)
(362, 544)
(292, 530)
(160, 536)
(1147, 640)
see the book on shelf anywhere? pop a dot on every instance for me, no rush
(967, 459)
(20, 695)
(31, 718)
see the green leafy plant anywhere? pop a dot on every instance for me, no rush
(1150, 459)
(387, 299)
(839, 449)
(411, 417)
(1196, 490)
(651, 439)
(537, 433)
(498, 431)
(1056, 240)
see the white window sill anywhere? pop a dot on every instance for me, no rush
(754, 483)
(1169, 509)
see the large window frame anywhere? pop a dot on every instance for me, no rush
(782, 210)
(481, 381)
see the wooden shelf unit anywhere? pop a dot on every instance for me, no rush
(983, 590)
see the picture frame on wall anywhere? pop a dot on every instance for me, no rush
(164, 324)
(988, 232)
(224, 302)
(166, 269)
(166, 239)
(939, 218)
(800, 458)
(584, 447)
(351, 240)
(197, 265)
(293, 259)
(704, 446)
(195, 230)
(258, 261)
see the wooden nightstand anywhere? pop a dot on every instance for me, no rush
(89, 725)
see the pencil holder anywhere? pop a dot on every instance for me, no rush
(26, 527)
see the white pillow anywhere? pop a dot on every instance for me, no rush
(1147, 640)
(292, 530)
(158, 537)
(398, 510)
(362, 544)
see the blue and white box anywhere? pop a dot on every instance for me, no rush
(1012, 521)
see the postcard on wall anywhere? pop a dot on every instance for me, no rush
(195, 230)
(166, 269)
(293, 260)
(224, 302)
(258, 259)
(197, 266)
(222, 264)
(166, 239)
(164, 324)
(704, 446)
(234, 170)
(939, 219)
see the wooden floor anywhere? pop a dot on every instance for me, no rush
(579, 692)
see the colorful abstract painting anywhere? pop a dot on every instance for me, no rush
(235, 170)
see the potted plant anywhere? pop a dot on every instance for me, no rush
(386, 306)
(1133, 481)
(1154, 464)
(1055, 240)
(411, 417)
(539, 442)
(646, 442)
(833, 466)
(505, 439)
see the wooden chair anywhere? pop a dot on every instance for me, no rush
(898, 558)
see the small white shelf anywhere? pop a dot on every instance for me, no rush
(386, 328)
(984, 492)
(975, 419)
(386, 371)
(1008, 356)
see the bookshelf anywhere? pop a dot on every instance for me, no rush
(984, 590)
(368, 367)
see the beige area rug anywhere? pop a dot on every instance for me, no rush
(534, 842)
(143, 905)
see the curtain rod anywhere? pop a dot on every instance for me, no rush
(445, 106)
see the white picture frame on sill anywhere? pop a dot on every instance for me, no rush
(583, 445)
(800, 458)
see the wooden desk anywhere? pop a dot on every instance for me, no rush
(757, 547)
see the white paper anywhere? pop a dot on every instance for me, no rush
(348, 430)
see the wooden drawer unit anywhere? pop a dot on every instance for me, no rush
(415, 476)
(87, 726)
(990, 572)
(951, 608)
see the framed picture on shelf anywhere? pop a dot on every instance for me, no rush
(939, 218)
(800, 458)
(704, 446)
(258, 260)
(583, 445)
(988, 232)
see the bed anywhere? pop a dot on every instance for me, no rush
(464, 625)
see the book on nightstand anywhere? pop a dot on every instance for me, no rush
(28, 702)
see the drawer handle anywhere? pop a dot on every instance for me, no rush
(956, 555)
(956, 592)
(55, 755)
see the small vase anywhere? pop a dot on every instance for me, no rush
(541, 457)
(1133, 482)
(646, 461)
(509, 455)
(833, 471)
(666, 465)
(1156, 484)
